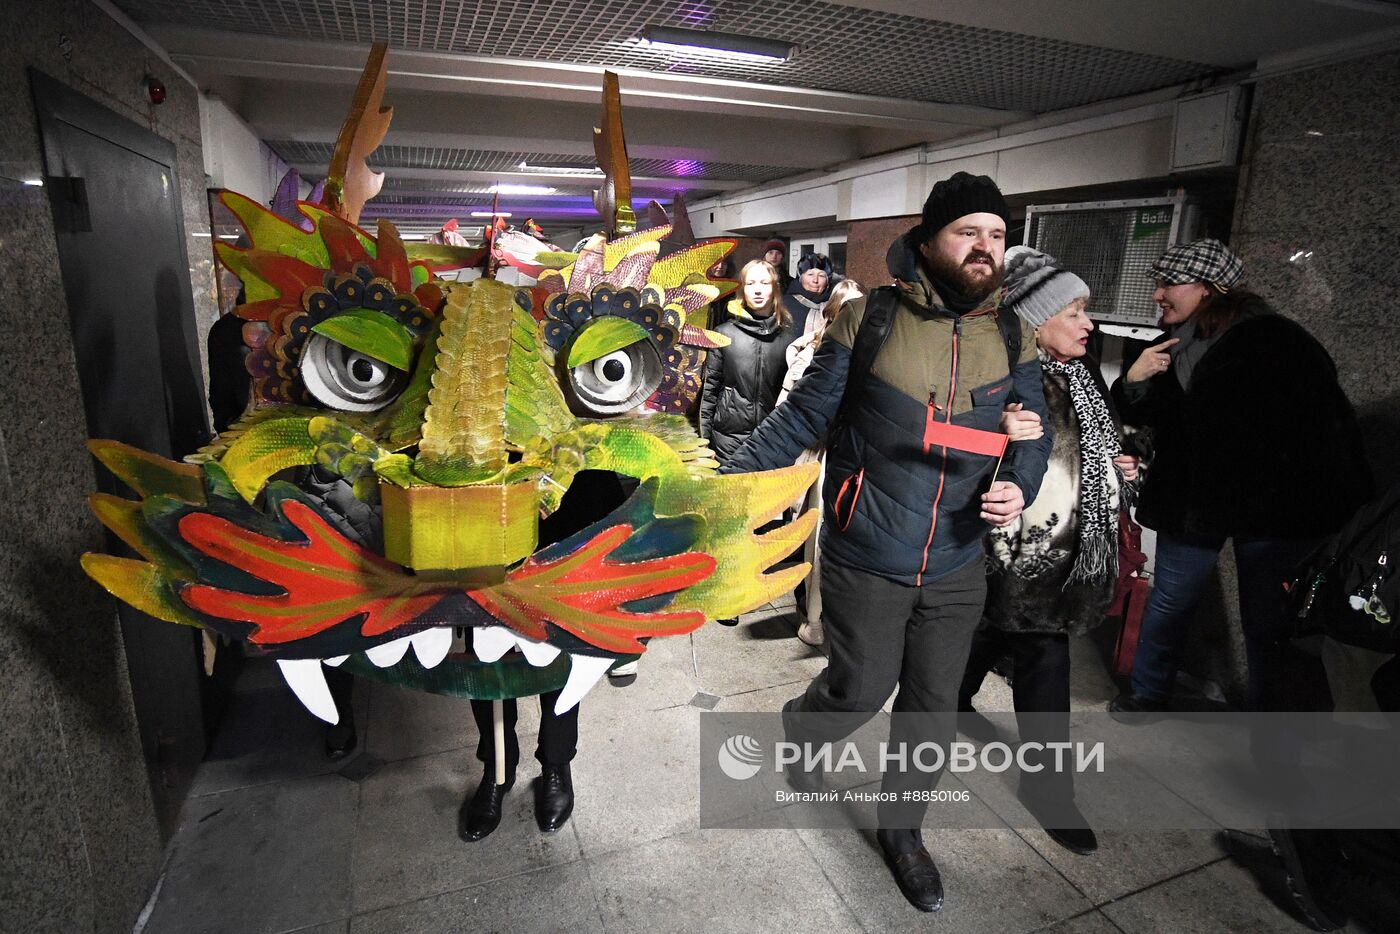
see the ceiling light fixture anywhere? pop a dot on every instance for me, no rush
(561, 169)
(521, 189)
(490, 214)
(725, 44)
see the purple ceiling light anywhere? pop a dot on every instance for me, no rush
(687, 168)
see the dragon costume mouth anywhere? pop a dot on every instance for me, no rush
(471, 654)
(501, 664)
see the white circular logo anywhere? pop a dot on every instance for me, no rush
(740, 757)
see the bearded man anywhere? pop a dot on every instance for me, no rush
(908, 500)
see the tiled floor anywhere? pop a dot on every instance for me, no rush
(275, 838)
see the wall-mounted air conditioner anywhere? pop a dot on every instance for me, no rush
(1110, 245)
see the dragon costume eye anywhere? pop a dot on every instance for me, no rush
(347, 379)
(619, 381)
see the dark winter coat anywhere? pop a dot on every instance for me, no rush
(891, 509)
(742, 381)
(1031, 594)
(785, 279)
(800, 303)
(1263, 444)
(229, 382)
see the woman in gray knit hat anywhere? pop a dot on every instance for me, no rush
(1054, 568)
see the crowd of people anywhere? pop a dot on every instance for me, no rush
(939, 559)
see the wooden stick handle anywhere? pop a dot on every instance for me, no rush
(498, 722)
(996, 470)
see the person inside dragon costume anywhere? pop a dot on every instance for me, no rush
(461, 413)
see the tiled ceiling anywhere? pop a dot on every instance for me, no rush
(842, 48)
(451, 201)
(480, 160)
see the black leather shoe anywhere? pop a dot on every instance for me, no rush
(1081, 840)
(1134, 704)
(480, 813)
(341, 740)
(976, 726)
(1315, 868)
(800, 779)
(918, 878)
(554, 797)
(1066, 825)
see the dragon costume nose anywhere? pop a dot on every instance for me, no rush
(461, 513)
(488, 526)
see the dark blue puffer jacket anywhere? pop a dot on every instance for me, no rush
(892, 509)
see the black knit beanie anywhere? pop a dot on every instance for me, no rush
(815, 261)
(958, 196)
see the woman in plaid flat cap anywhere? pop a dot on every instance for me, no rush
(1254, 441)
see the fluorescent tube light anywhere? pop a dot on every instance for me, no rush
(522, 189)
(729, 45)
(490, 214)
(561, 169)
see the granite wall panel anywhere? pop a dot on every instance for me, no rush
(867, 242)
(1317, 223)
(1346, 99)
(78, 833)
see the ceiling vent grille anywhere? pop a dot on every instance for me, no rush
(302, 152)
(840, 48)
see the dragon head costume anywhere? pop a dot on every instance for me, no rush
(461, 413)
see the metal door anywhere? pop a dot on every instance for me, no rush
(115, 198)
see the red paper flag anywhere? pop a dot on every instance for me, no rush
(960, 438)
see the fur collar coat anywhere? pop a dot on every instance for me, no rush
(1031, 559)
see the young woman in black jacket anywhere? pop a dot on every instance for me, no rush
(1254, 441)
(743, 380)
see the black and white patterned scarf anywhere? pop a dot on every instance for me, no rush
(1098, 445)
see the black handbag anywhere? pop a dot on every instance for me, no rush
(1348, 587)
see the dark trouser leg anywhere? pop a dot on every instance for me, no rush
(486, 729)
(558, 732)
(1183, 566)
(988, 645)
(1386, 685)
(936, 645)
(342, 687)
(1377, 852)
(1280, 678)
(1040, 691)
(865, 618)
(341, 738)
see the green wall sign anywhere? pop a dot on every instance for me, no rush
(1149, 221)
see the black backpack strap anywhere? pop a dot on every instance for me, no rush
(1009, 323)
(870, 337)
